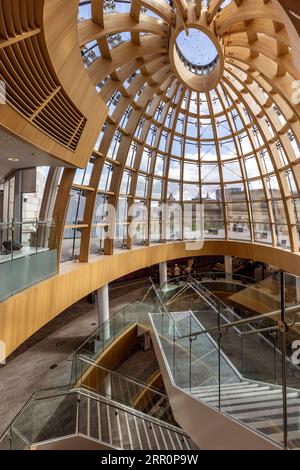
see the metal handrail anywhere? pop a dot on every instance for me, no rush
(235, 277)
(100, 328)
(110, 402)
(245, 320)
(33, 397)
(124, 378)
(208, 292)
(161, 301)
(281, 324)
(222, 274)
(133, 412)
(292, 309)
(10, 223)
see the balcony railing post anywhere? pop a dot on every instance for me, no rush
(190, 368)
(174, 346)
(241, 357)
(77, 425)
(283, 329)
(10, 438)
(219, 355)
(273, 334)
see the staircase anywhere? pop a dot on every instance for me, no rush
(238, 413)
(256, 404)
(120, 428)
(79, 413)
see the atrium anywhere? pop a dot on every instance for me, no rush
(150, 225)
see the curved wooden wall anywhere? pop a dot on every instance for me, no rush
(50, 99)
(25, 313)
(53, 104)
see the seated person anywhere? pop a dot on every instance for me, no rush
(10, 246)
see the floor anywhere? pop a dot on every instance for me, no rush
(25, 251)
(42, 361)
(140, 365)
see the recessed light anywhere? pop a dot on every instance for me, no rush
(13, 159)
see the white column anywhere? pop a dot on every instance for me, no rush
(102, 303)
(163, 274)
(228, 267)
(107, 385)
(298, 289)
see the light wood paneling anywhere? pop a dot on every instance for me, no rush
(26, 312)
(50, 99)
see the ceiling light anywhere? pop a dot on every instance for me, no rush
(13, 159)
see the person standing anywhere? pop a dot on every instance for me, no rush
(177, 272)
(188, 270)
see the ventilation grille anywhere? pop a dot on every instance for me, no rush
(31, 88)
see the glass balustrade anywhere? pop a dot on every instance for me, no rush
(133, 313)
(105, 335)
(124, 390)
(248, 368)
(28, 254)
(55, 414)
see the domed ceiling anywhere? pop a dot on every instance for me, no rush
(202, 107)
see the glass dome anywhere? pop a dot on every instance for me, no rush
(196, 47)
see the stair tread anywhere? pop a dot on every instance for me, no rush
(273, 404)
(291, 435)
(266, 413)
(251, 396)
(229, 385)
(234, 398)
(274, 422)
(233, 391)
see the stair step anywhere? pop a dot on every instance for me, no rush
(104, 430)
(291, 435)
(240, 391)
(125, 436)
(265, 394)
(225, 386)
(256, 405)
(146, 445)
(266, 413)
(168, 439)
(150, 429)
(93, 426)
(258, 396)
(134, 432)
(114, 427)
(274, 422)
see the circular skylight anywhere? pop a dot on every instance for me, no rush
(196, 47)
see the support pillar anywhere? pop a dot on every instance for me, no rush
(298, 289)
(228, 267)
(163, 274)
(102, 302)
